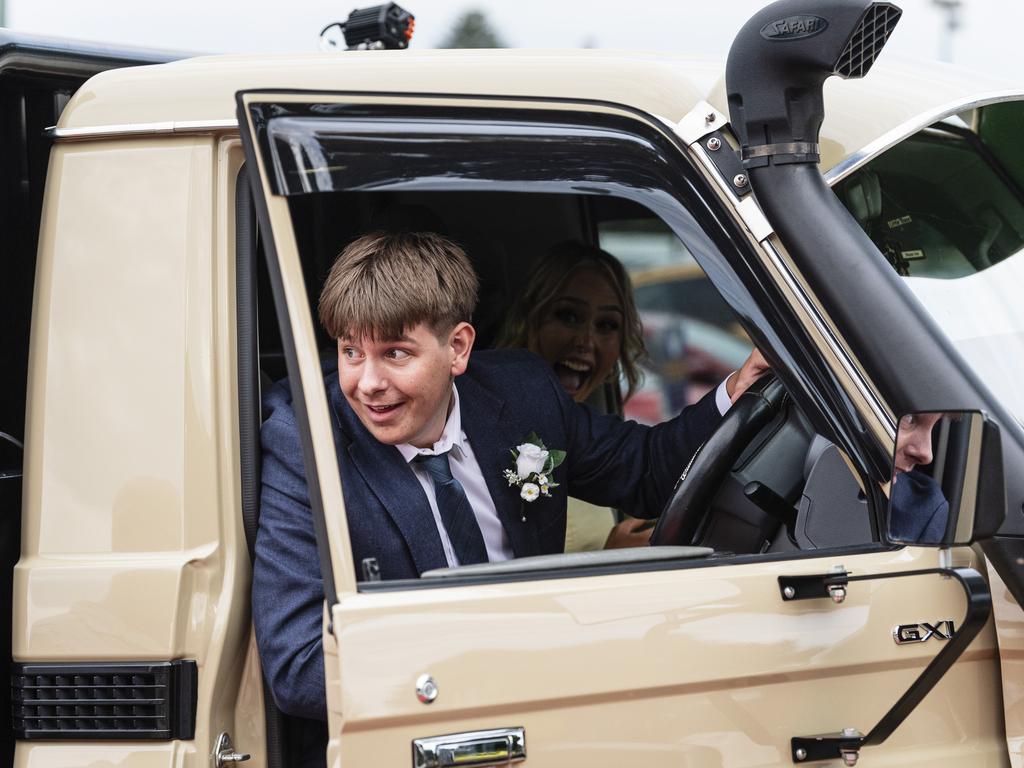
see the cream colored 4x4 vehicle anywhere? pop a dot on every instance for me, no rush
(191, 210)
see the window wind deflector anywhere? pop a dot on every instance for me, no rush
(325, 148)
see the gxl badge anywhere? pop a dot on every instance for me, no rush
(918, 633)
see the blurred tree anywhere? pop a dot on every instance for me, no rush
(472, 30)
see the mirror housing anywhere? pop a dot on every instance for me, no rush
(947, 484)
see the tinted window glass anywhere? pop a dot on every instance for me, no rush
(693, 340)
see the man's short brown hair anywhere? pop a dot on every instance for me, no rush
(383, 284)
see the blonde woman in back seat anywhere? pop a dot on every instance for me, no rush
(577, 312)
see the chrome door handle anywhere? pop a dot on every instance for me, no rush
(501, 746)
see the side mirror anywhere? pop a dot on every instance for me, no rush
(947, 479)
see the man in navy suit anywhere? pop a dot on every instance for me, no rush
(918, 510)
(424, 433)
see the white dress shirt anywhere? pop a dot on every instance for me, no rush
(722, 395)
(467, 471)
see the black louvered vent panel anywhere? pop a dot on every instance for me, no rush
(867, 40)
(104, 701)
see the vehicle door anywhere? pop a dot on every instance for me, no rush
(702, 661)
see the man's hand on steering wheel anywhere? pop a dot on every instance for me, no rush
(686, 515)
(752, 369)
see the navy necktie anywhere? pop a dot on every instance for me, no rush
(456, 513)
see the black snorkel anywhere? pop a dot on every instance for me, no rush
(776, 69)
(777, 66)
(775, 73)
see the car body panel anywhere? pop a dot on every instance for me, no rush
(133, 547)
(725, 677)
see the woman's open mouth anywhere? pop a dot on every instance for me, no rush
(573, 374)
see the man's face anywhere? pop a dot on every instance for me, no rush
(914, 441)
(401, 389)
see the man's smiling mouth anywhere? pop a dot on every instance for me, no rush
(382, 409)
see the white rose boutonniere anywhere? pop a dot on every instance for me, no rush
(530, 460)
(534, 463)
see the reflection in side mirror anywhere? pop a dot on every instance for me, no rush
(947, 478)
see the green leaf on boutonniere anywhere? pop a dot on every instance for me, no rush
(555, 457)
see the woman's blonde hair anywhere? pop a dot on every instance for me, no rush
(546, 281)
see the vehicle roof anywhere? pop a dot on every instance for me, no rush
(38, 53)
(203, 89)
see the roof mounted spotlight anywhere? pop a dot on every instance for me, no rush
(781, 58)
(381, 27)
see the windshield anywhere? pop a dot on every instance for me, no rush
(946, 209)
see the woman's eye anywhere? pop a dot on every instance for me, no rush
(568, 316)
(608, 326)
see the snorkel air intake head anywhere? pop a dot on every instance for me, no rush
(781, 58)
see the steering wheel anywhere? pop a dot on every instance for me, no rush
(684, 518)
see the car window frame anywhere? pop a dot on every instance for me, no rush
(732, 258)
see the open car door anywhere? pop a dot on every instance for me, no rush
(696, 659)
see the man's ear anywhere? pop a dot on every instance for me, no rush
(460, 341)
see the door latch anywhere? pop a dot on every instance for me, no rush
(224, 753)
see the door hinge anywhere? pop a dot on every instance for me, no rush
(832, 585)
(846, 745)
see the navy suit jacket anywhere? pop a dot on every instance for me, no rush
(918, 512)
(504, 395)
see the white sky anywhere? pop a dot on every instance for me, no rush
(987, 41)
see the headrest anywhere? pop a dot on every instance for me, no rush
(862, 194)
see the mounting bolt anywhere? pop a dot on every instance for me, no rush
(789, 593)
(714, 144)
(800, 754)
(739, 180)
(709, 118)
(837, 592)
(849, 756)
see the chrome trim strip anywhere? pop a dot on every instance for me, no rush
(882, 414)
(141, 129)
(692, 128)
(891, 138)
